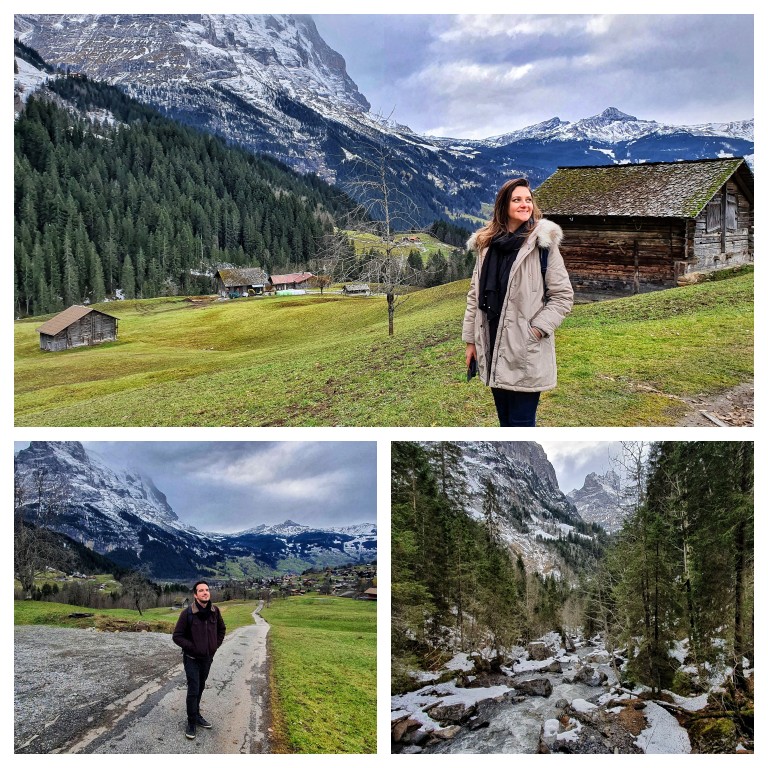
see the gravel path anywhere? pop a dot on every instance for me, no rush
(79, 690)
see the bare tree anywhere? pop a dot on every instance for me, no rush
(385, 207)
(38, 499)
(137, 588)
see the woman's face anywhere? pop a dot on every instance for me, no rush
(520, 207)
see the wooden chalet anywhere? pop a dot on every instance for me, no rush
(356, 289)
(295, 281)
(241, 281)
(77, 326)
(645, 226)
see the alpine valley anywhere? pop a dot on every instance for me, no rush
(271, 84)
(125, 517)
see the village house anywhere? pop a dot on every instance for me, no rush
(295, 281)
(77, 326)
(642, 227)
(241, 281)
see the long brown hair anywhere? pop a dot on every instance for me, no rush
(500, 221)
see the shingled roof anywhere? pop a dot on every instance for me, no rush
(66, 318)
(293, 277)
(232, 277)
(667, 190)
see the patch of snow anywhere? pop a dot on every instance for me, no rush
(582, 705)
(664, 735)
(551, 727)
(531, 666)
(572, 734)
(689, 703)
(448, 694)
(460, 662)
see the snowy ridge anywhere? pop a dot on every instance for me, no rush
(125, 515)
(271, 84)
(613, 126)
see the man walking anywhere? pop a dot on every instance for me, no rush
(199, 632)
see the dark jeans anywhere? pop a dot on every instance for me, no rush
(197, 673)
(516, 409)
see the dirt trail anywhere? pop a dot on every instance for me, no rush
(733, 408)
(151, 718)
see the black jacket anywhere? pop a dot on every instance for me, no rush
(199, 637)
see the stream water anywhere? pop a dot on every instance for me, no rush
(516, 727)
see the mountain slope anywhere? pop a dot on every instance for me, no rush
(125, 516)
(270, 83)
(536, 520)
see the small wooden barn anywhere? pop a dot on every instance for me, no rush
(641, 227)
(296, 281)
(356, 289)
(77, 326)
(241, 281)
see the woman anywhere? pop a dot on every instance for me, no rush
(520, 292)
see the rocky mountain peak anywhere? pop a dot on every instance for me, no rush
(598, 500)
(611, 113)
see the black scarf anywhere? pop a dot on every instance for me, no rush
(497, 265)
(203, 611)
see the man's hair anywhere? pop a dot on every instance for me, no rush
(198, 583)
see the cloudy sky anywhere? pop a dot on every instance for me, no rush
(574, 460)
(231, 486)
(474, 76)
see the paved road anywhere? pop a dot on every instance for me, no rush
(151, 719)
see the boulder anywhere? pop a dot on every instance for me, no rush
(399, 730)
(445, 734)
(538, 651)
(451, 713)
(590, 676)
(537, 687)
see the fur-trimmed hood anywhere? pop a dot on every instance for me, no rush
(547, 234)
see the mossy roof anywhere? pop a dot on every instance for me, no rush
(236, 276)
(669, 190)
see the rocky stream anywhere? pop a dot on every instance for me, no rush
(550, 697)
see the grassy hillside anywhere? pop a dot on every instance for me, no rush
(311, 360)
(323, 652)
(236, 613)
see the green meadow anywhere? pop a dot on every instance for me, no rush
(323, 655)
(327, 360)
(236, 613)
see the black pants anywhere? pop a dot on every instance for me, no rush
(516, 409)
(197, 673)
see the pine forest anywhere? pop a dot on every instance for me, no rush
(131, 200)
(644, 632)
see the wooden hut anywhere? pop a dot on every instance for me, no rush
(77, 326)
(241, 281)
(640, 227)
(356, 289)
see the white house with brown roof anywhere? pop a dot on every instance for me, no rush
(77, 326)
(294, 281)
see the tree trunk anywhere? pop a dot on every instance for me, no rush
(391, 312)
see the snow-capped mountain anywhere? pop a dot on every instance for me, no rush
(126, 517)
(536, 520)
(598, 500)
(270, 83)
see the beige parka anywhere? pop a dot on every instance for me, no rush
(520, 361)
